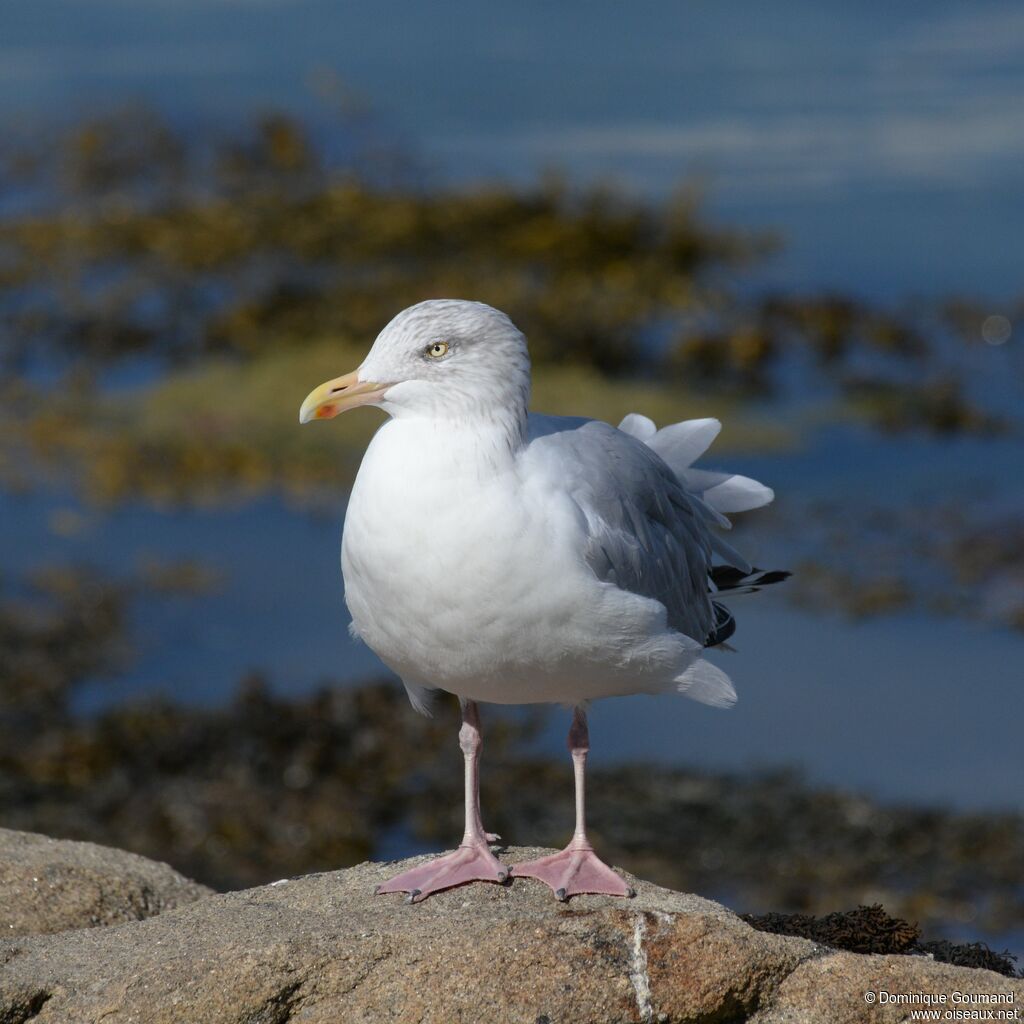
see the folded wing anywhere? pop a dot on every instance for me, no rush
(645, 533)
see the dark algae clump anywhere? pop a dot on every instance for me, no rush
(972, 954)
(864, 930)
(872, 930)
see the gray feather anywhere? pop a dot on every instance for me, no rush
(646, 534)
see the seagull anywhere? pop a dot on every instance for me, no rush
(514, 558)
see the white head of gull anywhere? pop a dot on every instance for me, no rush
(509, 557)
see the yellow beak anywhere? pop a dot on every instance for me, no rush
(340, 395)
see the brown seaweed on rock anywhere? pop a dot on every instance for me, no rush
(872, 930)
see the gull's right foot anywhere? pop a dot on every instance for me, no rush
(469, 863)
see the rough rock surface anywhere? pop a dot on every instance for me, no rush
(324, 949)
(50, 885)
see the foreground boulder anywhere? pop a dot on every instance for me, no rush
(324, 949)
(50, 885)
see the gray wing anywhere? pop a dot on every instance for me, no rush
(645, 532)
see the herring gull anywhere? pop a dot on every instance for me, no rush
(510, 557)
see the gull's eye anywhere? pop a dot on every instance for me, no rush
(437, 350)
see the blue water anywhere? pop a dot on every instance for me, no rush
(908, 707)
(883, 141)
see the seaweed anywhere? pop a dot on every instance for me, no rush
(869, 929)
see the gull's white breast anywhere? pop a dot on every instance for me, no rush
(465, 573)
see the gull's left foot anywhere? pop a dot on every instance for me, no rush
(576, 870)
(469, 863)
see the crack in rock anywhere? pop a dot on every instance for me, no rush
(638, 971)
(28, 1010)
(278, 1009)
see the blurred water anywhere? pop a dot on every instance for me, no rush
(883, 141)
(909, 706)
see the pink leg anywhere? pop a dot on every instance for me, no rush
(577, 869)
(473, 860)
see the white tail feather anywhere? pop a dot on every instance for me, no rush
(681, 444)
(421, 697)
(638, 426)
(701, 480)
(738, 494)
(708, 684)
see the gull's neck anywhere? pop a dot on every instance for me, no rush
(476, 444)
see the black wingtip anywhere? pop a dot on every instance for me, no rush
(725, 626)
(775, 576)
(728, 577)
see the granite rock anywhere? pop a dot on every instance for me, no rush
(322, 949)
(51, 885)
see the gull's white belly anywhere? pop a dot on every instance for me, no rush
(477, 585)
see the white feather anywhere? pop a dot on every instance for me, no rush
(639, 426)
(421, 697)
(708, 684)
(701, 480)
(681, 444)
(738, 494)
